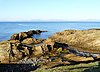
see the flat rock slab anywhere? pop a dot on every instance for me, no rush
(73, 57)
(83, 40)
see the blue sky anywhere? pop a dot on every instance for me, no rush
(27, 10)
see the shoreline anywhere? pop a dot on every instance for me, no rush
(56, 50)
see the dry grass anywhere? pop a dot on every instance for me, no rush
(90, 67)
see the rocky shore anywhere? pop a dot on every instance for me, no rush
(69, 47)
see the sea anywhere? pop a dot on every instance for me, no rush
(9, 28)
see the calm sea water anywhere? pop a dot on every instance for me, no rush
(9, 28)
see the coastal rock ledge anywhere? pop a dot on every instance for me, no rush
(23, 35)
(69, 47)
(83, 40)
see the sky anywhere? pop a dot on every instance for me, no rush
(67, 10)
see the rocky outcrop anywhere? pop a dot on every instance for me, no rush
(83, 40)
(23, 35)
(15, 37)
(4, 52)
(13, 51)
(63, 48)
(32, 41)
(19, 36)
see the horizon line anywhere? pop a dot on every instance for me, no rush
(49, 21)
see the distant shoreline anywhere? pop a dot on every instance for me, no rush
(49, 21)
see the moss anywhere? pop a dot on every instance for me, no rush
(59, 50)
(65, 51)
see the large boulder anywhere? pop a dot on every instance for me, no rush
(37, 50)
(9, 51)
(13, 51)
(15, 37)
(21, 36)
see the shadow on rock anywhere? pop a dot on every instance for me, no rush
(17, 67)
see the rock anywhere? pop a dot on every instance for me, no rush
(72, 57)
(4, 52)
(15, 54)
(97, 57)
(44, 48)
(28, 60)
(37, 50)
(14, 41)
(83, 40)
(15, 37)
(32, 41)
(30, 33)
(58, 45)
(13, 51)
(22, 36)
(38, 31)
(9, 53)
(51, 45)
(55, 63)
(63, 48)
